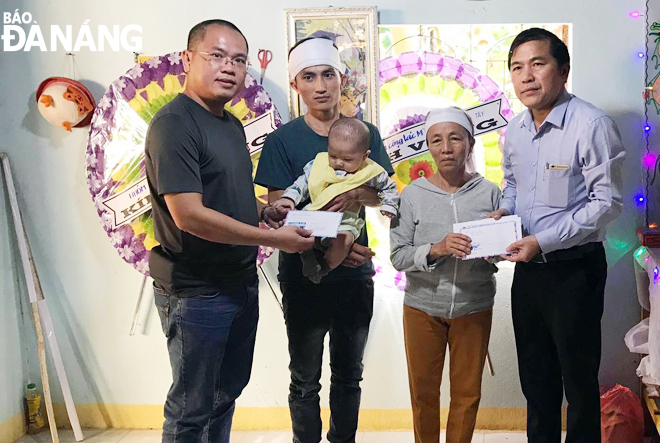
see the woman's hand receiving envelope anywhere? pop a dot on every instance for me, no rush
(457, 244)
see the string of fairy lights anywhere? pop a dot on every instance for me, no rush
(650, 161)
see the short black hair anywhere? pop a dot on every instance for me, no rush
(198, 32)
(558, 48)
(352, 130)
(311, 38)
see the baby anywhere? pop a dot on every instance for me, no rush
(345, 166)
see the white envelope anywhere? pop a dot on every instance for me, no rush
(321, 223)
(490, 237)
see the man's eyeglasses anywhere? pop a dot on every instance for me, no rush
(217, 58)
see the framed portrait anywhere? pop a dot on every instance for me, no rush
(354, 31)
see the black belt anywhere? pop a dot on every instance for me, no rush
(573, 253)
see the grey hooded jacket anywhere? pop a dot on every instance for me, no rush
(448, 287)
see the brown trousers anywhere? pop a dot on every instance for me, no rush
(426, 340)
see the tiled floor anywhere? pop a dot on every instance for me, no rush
(142, 436)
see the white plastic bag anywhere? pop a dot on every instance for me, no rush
(637, 339)
(645, 373)
(654, 326)
(652, 390)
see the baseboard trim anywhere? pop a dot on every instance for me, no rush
(122, 416)
(13, 428)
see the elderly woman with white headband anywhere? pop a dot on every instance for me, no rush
(448, 301)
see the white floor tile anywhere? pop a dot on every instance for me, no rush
(143, 436)
(359, 437)
(477, 437)
(66, 436)
(267, 437)
(155, 436)
(236, 436)
(98, 436)
(388, 437)
(505, 437)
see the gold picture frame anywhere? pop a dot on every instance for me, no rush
(355, 32)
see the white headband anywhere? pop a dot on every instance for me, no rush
(451, 115)
(314, 52)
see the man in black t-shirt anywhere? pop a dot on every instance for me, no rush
(342, 304)
(206, 221)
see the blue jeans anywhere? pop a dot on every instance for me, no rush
(210, 339)
(311, 311)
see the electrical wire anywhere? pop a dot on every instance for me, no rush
(647, 181)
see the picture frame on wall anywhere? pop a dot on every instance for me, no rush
(354, 31)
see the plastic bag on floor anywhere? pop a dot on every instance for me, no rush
(652, 390)
(637, 339)
(644, 372)
(621, 416)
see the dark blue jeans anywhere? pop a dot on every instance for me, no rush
(311, 311)
(210, 339)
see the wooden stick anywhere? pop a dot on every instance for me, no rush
(29, 280)
(138, 308)
(19, 229)
(489, 363)
(279, 303)
(40, 307)
(47, 322)
(45, 384)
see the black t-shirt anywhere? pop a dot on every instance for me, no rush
(189, 149)
(286, 151)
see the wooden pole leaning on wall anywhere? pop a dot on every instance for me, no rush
(43, 369)
(489, 364)
(138, 307)
(41, 316)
